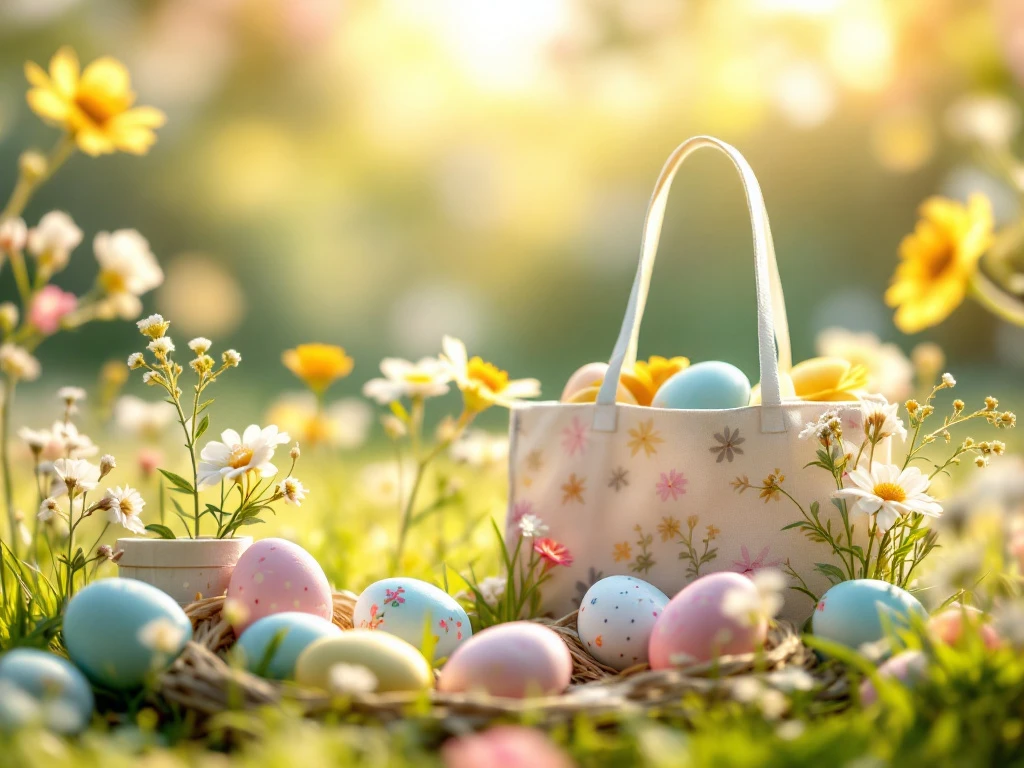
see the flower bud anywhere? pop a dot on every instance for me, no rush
(32, 165)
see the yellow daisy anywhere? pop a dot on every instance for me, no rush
(645, 438)
(483, 384)
(938, 260)
(622, 552)
(319, 365)
(93, 106)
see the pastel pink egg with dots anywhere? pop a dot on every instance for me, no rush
(274, 576)
(701, 622)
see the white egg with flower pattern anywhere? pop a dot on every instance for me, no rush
(616, 619)
(407, 607)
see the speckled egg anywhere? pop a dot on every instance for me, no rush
(406, 607)
(513, 660)
(697, 625)
(616, 619)
(122, 631)
(274, 576)
(707, 385)
(395, 664)
(54, 683)
(589, 375)
(851, 612)
(907, 667)
(297, 631)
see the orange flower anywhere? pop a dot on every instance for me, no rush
(623, 552)
(552, 552)
(319, 365)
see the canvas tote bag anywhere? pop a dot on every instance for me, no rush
(656, 493)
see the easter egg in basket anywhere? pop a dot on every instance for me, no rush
(859, 611)
(271, 646)
(708, 385)
(616, 618)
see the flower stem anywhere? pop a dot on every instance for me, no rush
(5, 461)
(26, 186)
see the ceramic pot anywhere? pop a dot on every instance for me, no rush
(185, 569)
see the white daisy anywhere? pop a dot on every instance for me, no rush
(200, 345)
(881, 419)
(18, 363)
(124, 505)
(69, 442)
(53, 239)
(128, 269)
(71, 395)
(163, 636)
(48, 509)
(427, 378)
(13, 234)
(293, 491)
(889, 493)
(531, 526)
(236, 455)
(78, 475)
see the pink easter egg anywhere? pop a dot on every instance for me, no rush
(587, 376)
(949, 625)
(513, 660)
(905, 667)
(274, 576)
(700, 624)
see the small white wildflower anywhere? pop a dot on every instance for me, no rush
(231, 358)
(152, 378)
(13, 234)
(493, 589)
(163, 636)
(200, 345)
(293, 491)
(48, 509)
(153, 326)
(8, 316)
(77, 474)
(161, 347)
(71, 395)
(53, 240)
(350, 679)
(531, 526)
(107, 463)
(124, 507)
(948, 380)
(18, 363)
(136, 360)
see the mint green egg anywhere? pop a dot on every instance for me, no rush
(297, 630)
(857, 612)
(58, 691)
(121, 632)
(710, 385)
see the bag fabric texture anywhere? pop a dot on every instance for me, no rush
(663, 494)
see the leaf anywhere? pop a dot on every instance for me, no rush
(204, 406)
(161, 530)
(203, 426)
(832, 572)
(178, 481)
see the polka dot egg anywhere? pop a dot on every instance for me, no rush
(274, 576)
(616, 619)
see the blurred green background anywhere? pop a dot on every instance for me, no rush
(377, 174)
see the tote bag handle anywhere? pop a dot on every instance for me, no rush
(772, 324)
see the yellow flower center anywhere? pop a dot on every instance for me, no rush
(937, 261)
(890, 492)
(98, 105)
(240, 456)
(126, 507)
(111, 282)
(417, 377)
(487, 374)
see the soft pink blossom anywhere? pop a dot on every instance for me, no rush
(49, 307)
(574, 438)
(671, 485)
(149, 460)
(508, 746)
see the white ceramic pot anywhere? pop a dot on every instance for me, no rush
(183, 568)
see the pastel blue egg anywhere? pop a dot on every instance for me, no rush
(59, 692)
(857, 612)
(120, 632)
(409, 608)
(710, 385)
(297, 630)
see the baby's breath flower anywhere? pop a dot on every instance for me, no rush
(136, 360)
(161, 347)
(107, 463)
(48, 509)
(912, 406)
(531, 526)
(927, 411)
(231, 358)
(991, 403)
(18, 363)
(153, 326)
(152, 378)
(948, 380)
(295, 452)
(292, 490)
(958, 406)
(13, 234)
(200, 345)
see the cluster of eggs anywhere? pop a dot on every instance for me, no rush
(708, 385)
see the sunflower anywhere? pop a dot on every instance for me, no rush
(94, 106)
(319, 365)
(938, 260)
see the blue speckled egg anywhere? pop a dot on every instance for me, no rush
(406, 607)
(61, 693)
(709, 385)
(120, 631)
(297, 630)
(852, 612)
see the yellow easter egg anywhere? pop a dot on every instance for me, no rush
(589, 395)
(396, 664)
(589, 375)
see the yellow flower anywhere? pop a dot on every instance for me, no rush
(645, 437)
(829, 379)
(938, 260)
(94, 106)
(622, 552)
(659, 369)
(319, 365)
(668, 528)
(483, 384)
